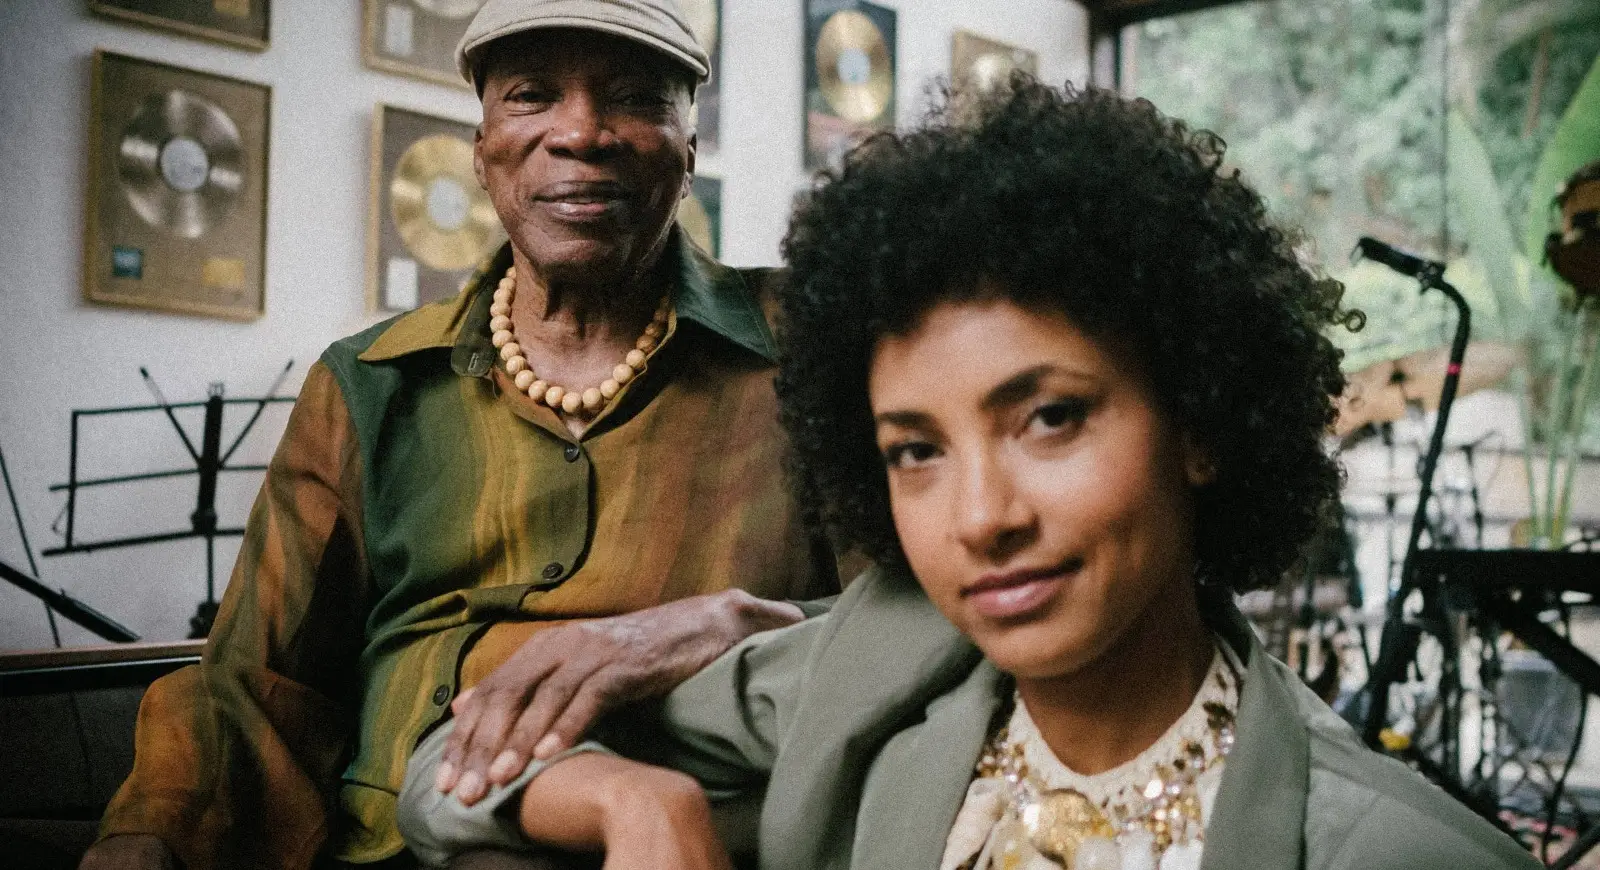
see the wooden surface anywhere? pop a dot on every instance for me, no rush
(115, 653)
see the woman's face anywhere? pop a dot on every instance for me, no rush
(1041, 499)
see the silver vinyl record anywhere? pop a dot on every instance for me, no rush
(180, 163)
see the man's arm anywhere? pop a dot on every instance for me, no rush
(237, 758)
(561, 680)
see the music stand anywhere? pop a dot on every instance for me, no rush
(210, 461)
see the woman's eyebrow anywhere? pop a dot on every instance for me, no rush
(904, 419)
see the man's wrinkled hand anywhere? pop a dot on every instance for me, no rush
(543, 698)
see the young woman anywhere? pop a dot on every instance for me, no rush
(1051, 367)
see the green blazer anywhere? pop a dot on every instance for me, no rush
(865, 725)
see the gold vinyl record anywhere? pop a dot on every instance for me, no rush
(701, 16)
(444, 219)
(450, 8)
(853, 67)
(180, 163)
(696, 222)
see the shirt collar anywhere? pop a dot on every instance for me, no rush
(705, 292)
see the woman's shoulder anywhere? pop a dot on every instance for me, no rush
(1367, 810)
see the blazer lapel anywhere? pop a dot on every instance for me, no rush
(920, 779)
(1260, 814)
(890, 656)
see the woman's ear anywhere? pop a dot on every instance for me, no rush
(1199, 468)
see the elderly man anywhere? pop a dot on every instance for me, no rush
(486, 504)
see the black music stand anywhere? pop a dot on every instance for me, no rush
(209, 462)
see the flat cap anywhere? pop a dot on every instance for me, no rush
(657, 24)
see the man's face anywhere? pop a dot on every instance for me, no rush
(585, 151)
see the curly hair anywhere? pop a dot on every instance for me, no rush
(1103, 210)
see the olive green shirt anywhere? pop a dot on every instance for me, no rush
(422, 517)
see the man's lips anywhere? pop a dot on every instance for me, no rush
(584, 199)
(1017, 594)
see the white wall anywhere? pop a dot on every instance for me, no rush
(58, 353)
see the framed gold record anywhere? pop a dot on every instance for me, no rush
(705, 21)
(176, 210)
(416, 38)
(244, 23)
(700, 214)
(850, 76)
(429, 223)
(982, 63)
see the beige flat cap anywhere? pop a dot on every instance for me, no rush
(654, 23)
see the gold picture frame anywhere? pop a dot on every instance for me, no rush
(240, 23)
(428, 222)
(850, 76)
(176, 205)
(416, 38)
(984, 62)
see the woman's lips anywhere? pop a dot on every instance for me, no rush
(1019, 594)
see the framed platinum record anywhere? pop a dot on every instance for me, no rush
(244, 23)
(176, 206)
(417, 38)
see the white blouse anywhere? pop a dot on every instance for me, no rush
(987, 837)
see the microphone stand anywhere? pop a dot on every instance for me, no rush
(1399, 640)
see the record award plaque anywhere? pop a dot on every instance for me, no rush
(850, 78)
(430, 223)
(417, 38)
(177, 196)
(244, 23)
(700, 214)
(981, 63)
(705, 20)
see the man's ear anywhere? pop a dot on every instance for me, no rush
(477, 157)
(1199, 469)
(688, 175)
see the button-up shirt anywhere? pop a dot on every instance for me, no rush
(421, 519)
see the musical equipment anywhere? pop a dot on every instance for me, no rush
(1392, 657)
(1574, 250)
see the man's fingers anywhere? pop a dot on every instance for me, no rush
(488, 737)
(581, 713)
(456, 746)
(549, 701)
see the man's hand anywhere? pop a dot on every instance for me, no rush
(543, 698)
(128, 852)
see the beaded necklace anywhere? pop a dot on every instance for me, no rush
(587, 403)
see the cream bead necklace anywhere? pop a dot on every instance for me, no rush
(589, 402)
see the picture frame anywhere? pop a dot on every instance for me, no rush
(985, 62)
(429, 224)
(700, 214)
(176, 203)
(850, 76)
(240, 23)
(416, 38)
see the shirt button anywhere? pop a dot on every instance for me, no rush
(572, 452)
(441, 695)
(552, 571)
